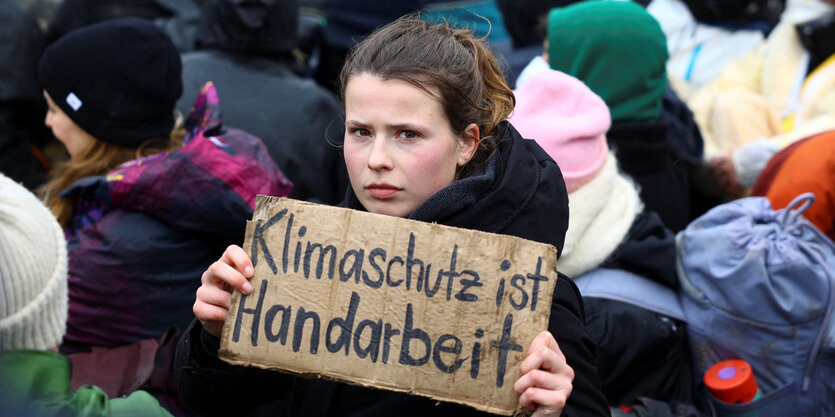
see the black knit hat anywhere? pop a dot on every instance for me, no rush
(119, 80)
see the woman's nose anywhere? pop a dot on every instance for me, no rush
(380, 157)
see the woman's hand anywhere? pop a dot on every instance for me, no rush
(546, 378)
(231, 272)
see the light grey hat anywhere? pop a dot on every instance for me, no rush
(33, 271)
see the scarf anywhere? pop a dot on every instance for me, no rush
(601, 213)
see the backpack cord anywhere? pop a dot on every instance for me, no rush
(802, 203)
(813, 354)
(790, 219)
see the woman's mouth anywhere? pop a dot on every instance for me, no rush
(382, 191)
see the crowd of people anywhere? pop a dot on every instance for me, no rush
(136, 136)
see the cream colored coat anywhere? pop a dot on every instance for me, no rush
(768, 94)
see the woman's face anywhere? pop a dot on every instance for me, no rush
(74, 138)
(399, 145)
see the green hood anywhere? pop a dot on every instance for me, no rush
(617, 49)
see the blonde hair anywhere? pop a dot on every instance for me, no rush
(98, 159)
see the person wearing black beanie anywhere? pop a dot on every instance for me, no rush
(118, 80)
(145, 204)
(111, 89)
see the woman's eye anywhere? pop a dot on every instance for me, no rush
(407, 134)
(361, 132)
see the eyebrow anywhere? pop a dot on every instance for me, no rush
(395, 126)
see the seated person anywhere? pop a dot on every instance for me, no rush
(144, 211)
(34, 379)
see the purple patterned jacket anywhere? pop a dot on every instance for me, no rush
(142, 236)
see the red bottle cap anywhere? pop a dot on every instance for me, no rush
(731, 381)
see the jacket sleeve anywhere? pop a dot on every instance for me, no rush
(212, 387)
(567, 325)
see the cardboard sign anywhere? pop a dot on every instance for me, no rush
(388, 302)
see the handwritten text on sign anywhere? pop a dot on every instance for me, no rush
(387, 302)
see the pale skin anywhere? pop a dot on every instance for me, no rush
(73, 137)
(399, 150)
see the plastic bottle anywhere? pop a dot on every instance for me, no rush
(732, 381)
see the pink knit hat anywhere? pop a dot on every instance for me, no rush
(567, 120)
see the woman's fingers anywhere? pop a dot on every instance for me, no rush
(536, 378)
(232, 270)
(545, 383)
(544, 353)
(544, 402)
(236, 257)
(211, 316)
(213, 298)
(544, 369)
(208, 313)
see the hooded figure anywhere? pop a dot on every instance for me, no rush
(245, 49)
(620, 52)
(642, 354)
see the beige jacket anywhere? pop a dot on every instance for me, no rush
(769, 94)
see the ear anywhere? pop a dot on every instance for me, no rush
(468, 144)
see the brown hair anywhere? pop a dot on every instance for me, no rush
(98, 159)
(436, 57)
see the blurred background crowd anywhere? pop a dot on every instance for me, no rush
(657, 112)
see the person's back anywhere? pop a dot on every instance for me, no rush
(143, 214)
(608, 228)
(807, 165)
(33, 291)
(620, 53)
(247, 55)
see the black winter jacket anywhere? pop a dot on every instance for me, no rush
(521, 193)
(642, 353)
(645, 153)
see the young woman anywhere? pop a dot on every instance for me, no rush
(143, 213)
(425, 138)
